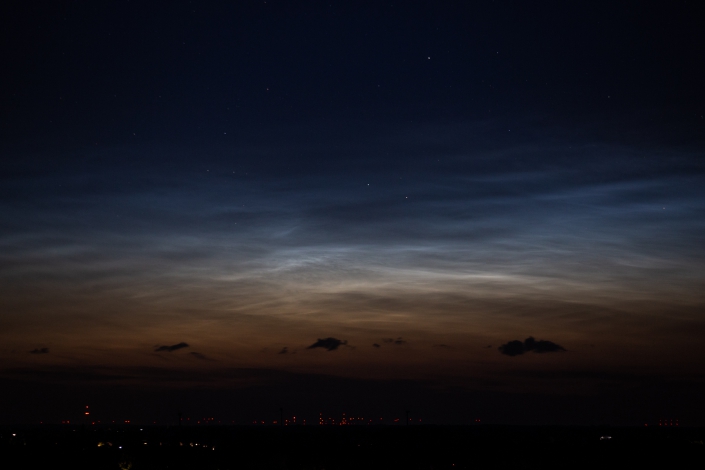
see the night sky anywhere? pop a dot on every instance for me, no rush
(486, 209)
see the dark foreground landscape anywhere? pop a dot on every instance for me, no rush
(353, 447)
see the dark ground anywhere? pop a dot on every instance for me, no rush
(352, 447)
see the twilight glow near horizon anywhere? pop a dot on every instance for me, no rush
(332, 230)
(454, 246)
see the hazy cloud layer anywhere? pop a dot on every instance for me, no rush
(463, 213)
(474, 234)
(39, 351)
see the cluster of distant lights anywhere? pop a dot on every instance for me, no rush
(144, 443)
(87, 413)
(343, 421)
(665, 423)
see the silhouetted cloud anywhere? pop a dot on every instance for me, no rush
(444, 346)
(516, 347)
(397, 341)
(171, 348)
(331, 344)
(541, 346)
(39, 351)
(198, 355)
(376, 345)
(512, 348)
(284, 350)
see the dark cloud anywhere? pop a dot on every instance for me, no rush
(517, 348)
(39, 351)
(376, 345)
(284, 350)
(397, 341)
(331, 344)
(198, 355)
(443, 346)
(171, 348)
(512, 348)
(541, 346)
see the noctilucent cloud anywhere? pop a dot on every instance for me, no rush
(222, 211)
